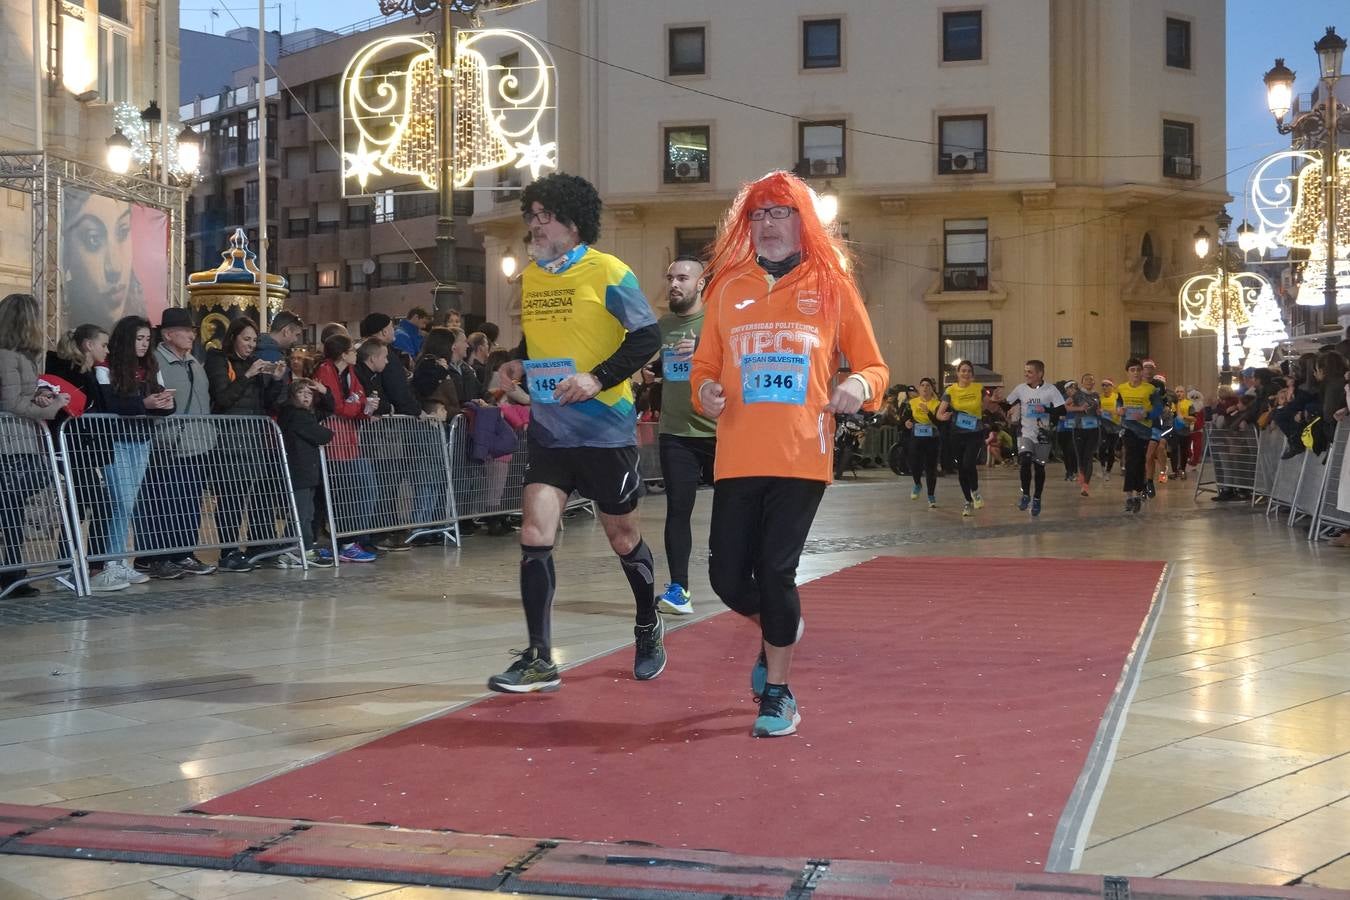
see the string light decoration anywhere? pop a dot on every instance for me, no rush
(1311, 290)
(145, 147)
(505, 113)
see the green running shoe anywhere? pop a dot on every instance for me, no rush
(530, 672)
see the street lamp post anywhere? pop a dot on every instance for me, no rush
(1202, 247)
(1322, 123)
(447, 292)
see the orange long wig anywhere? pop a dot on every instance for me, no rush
(823, 254)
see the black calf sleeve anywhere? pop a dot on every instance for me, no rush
(537, 582)
(640, 568)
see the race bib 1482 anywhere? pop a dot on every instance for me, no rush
(542, 377)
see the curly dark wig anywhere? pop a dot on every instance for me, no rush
(571, 198)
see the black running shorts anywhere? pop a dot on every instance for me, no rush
(607, 475)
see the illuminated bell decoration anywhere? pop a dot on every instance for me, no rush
(1202, 300)
(390, 110)
(414, 147)
(219, 296)
(1307, 228)
(1251, 306)
(1291, 208)
(478, 146)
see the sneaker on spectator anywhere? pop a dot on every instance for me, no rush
(321, 558)
(428, 540)
(1036, 506)
(393, 542)
(1024, 502)
(107, 581)
(234, 561)
(194, 566)
(372, 549)
(165, 570)
(498, 526)
(355, 553)
(287, 560)
(129, 575)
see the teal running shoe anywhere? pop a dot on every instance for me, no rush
(778, 714)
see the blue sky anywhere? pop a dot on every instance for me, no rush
(1257, 33)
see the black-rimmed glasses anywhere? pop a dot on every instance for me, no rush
(543, 217)
(773, 212)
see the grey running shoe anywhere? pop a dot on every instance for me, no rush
(649, 657)
(528, 673)
(194, 566)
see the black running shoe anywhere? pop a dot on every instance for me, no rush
(649, 658)
(1149, 491)
(528, 673)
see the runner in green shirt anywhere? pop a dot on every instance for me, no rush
(688, 440)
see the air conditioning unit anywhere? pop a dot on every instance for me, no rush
(689, 170)
(963, 279)
(964, 162)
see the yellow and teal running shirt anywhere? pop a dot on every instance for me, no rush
(1137, 404)
(573, 321)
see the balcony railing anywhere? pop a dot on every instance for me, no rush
(1181, 167)
(965, 278)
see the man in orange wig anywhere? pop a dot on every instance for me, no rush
(780, 311)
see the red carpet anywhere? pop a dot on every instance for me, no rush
(948, 706)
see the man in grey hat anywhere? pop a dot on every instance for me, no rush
(169, 506)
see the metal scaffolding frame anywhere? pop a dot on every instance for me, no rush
(45, 176)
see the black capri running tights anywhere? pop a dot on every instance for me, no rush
(759, 527)
(965, 450)
(923, 460)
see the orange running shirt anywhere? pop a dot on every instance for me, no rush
(760, 335)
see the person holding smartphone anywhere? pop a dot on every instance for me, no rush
(241, 384)
(129, 384)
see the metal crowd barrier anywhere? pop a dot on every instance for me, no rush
(649, 452)
(37, 537)
(1330, 516)
(1308, 494)
(139, 485)
(1282, 491)
(493, 487)
(387, 474)
(1232, 455)
(486, 487)
(876, 445)
(1269, 447)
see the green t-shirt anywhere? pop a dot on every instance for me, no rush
(677, 410)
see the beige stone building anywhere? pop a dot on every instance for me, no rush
(1018, 178)
(90, 55)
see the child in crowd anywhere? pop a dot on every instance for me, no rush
(303, 436)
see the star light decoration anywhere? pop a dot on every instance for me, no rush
(505, 113)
